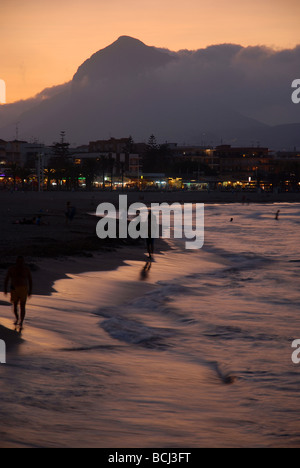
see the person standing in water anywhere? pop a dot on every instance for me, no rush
(20, 279)
(277, 215)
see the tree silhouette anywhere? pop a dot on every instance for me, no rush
(60, 163)
(157, 158)
(90, 169)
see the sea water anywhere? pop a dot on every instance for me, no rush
(192, 350)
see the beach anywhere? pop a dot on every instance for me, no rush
(195, 352)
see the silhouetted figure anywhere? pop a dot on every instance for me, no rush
(277, 215)
(231, 220)
(150, 247)
(20, 279)
(152, 231)
(70, 213)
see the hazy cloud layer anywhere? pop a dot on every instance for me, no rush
(256, 81)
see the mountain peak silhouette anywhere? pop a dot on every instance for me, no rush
(126, 56)
(128, 41)
(199, 97)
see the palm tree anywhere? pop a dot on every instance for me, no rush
(60, 161)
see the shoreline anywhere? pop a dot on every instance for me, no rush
(93, 198)
(47, 272)
(58, 248)
(53, 237)
(59, 268)
(54, 249)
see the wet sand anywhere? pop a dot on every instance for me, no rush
(86, 372)
(55, 250)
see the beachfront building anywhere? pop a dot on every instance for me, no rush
(286, 170)
(107, 169)
(113, 145)
(203, 157)
(242, 161)
(19, 162)
(15, 152)
(243, 168)
(226, 168)
(21, 153)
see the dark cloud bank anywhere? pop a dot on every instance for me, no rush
(225, 93)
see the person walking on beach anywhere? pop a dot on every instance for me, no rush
(20, 279)
(70, 213)
(152, 234)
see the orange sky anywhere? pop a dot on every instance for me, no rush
(44, 41)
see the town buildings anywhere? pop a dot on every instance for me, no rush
(120, 164)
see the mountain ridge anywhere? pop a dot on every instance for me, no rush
(126, 56)
(129, 88)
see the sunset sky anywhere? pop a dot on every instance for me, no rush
(44, 42)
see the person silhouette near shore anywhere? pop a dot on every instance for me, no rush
(277, 215)
(70, 213)
(152, 234)
(20, 279)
